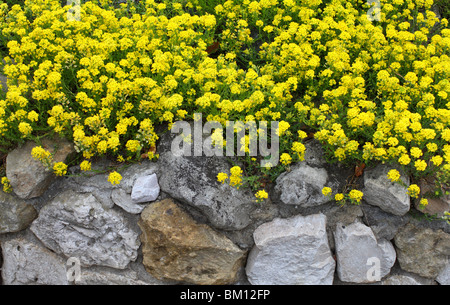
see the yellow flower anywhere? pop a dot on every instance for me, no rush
(423, 203)
(85, 165)
(41, 154)
(6, 185)
(221, 177)
(60, 169)
(416, 152)
(355, 196)
(261, 195)
(420, 165)
(285, 159)
(114, 178)
(393, 175)
(326, 191)
(413, 191)
(25, 129)
(339, 197)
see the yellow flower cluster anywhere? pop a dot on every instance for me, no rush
(261, 195)
(354, 196)
(368, 91)
(6, 185)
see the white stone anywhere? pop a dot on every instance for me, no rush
(77, 225)
(361, 258)
(25, 263)
(444, 277)
(292, 251)
(122, 199)
(145, 189)
(380, 191)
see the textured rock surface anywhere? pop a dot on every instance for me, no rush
(122, 199)
(356, 246)
(28, 177)
(398, 279)
(175, 247)
(380, 191)
(97, 276)
(444, 276)
(422, 250)
(303, 184)
(15, 214)
(383, 224)
(291, 251)
(25, 263)
(145, 189)
(436, 206)
(193, 180)
(77, 225)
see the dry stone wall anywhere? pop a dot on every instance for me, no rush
(171, 222)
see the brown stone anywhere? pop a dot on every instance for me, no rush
(436, 206)
(422, 250)
(176, 247)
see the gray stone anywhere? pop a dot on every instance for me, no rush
(77, 225)
(192, 180)
(15, 213)
(25, 263)
(97, 183)
(358, 250)
(292, 251)
(145, 189)
(444, 276)
(122, 199)
(380, 191)
(302, 186)
(422, 251)
(398, 279)
(101, 276)
(28, 177)
(383, 224)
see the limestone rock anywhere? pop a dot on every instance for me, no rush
(399, 279)
(122, 199)
(292, 251)
(25, 263)
(383, 224)
(303, 184)
(422, 250)
(192, 180)
(98, 276)
(358, 250)
(77, 225)
(177, 248)
(380, 191)
(444, 276)
(15, 214)
(145, 189)
(28, 177)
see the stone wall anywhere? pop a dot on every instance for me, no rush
(171, 222)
